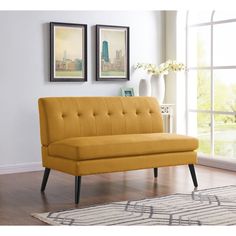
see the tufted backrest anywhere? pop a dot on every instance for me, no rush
(67, 117)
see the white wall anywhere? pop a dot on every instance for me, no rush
(24, 66)
(170, 54)
(175, 82)
(170, 95)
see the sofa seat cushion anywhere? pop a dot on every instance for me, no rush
(95, 147)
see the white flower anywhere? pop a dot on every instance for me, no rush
(163, 68)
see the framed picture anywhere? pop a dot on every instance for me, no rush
(112, 53)
(68, 52)
(127, 92)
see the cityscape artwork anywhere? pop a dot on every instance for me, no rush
(68, 52)
(112, 59)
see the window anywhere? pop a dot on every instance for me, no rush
(211, 81)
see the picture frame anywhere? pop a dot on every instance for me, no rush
(112, 53)
(68, 52)
(127, 92)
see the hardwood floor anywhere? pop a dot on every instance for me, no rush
(20, 193)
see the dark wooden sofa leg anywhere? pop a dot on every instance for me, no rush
(155, 172)
(45, 179)
(193, 174)
(77, 188)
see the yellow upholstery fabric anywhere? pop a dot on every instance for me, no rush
(67, 117)
(95, 147)
(119, 164)
(135, 163)
(90, 135)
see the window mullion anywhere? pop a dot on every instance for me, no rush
(212, 90)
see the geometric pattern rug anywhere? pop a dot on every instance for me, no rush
(215, 206)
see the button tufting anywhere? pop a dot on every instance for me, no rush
(63, 115)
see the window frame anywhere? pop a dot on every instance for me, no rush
(211, 70)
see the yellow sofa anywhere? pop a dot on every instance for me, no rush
(92, 135)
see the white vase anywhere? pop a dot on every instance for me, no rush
(144, 87)
(158, 87)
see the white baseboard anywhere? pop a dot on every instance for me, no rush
(20, 168)
(217, 162)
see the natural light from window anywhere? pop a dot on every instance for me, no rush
(211, 81)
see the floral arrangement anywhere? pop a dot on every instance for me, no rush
(162, 69)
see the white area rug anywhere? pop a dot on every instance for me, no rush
(215, 206)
